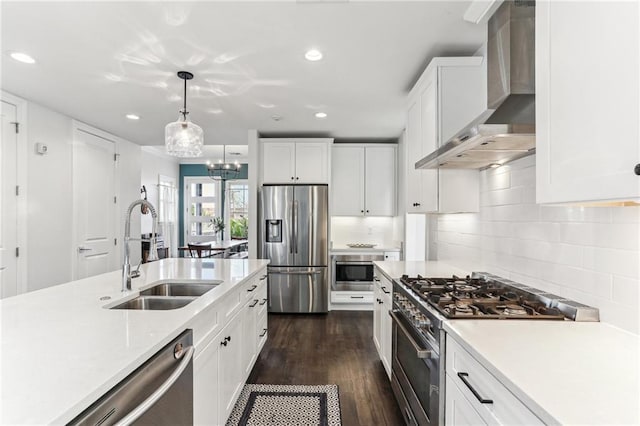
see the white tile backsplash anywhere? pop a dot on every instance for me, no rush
(367, 230)
(589, 254)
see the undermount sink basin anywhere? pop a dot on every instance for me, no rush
(168, 295)
(155, 303)
(179, 289)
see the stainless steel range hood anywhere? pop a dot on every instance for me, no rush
(506, 130)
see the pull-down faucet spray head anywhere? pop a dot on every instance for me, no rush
(153, 250)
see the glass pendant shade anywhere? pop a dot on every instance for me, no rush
(183, 138)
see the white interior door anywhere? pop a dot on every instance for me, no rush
(94, 204)
(8, 202)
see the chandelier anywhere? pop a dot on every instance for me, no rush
(183, 138)
(223, 170)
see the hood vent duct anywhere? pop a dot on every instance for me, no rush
(506, 130)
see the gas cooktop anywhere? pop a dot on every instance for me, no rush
(481, 297)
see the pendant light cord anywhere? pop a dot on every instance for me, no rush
(184, 109)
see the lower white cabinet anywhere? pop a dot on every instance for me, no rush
(223, 362)
(488, 401)
(205, 384)
(458, 409)
(382, 289)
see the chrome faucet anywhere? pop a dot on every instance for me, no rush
(153, 250)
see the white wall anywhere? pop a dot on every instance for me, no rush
(369, 230)
(49, 197)
(589, 254)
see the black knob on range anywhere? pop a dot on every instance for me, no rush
(637, 169)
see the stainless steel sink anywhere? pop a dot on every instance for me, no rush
(168, 295)
(179, 289)
(155, 303)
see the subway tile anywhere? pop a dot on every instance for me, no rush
(499, 178)
(502, 197)
(617, 236)
(537, 231)
(629, 214)
(524, 177)
(622, 316)
(625, 263)
(626, 291)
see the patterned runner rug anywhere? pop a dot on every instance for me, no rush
(287, 405)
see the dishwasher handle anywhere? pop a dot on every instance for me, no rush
(158, 393)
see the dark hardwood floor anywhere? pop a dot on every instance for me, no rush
(334, 348)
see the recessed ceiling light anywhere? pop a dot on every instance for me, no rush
(495, 165)
(132, 117)
(276, 117)
(22, 57)
(313, 55)
(321, 115)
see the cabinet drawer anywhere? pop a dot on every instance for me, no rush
(470, 376)
(262, 330)
(262, 297)
(352, 297)
(205, 326)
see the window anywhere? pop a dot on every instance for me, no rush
(202, 204)
(237, 208)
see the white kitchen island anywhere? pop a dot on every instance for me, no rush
(62, 349)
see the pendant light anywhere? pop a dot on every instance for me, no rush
(223, 170)
(183, 138)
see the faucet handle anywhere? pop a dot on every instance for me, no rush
(136, 272)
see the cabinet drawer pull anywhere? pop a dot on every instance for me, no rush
(357, 297)
(463, 377)
(263, 302)
(255, 302)
(636, 170)
(264, 331)
(224, 343)
(253, 287)
(384, 289)
(262, 278)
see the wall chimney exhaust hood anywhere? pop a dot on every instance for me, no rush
(506, 130)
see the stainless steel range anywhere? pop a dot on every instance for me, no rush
(420, 305)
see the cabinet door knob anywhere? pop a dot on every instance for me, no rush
(224, 343)
(417, 204)
(361, 211)
(637, 169)
(367, 211)
(297, 178)
(291, 177)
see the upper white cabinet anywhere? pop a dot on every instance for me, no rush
(587, 101)
(449, 95)
(295, 160)
(363, 180)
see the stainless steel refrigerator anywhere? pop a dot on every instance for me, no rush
(293, 234)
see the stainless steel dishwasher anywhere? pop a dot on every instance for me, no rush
(160, 392)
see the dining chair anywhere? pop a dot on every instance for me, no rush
(200, 250)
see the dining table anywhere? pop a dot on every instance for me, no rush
(217, 247)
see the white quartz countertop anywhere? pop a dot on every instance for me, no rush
(395, 268)
(573, 373)
(61, 349)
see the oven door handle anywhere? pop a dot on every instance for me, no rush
(420, 353)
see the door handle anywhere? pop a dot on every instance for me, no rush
(420, 352)
(463, 377)
(159, 393)
(295, 227)
(83, 249)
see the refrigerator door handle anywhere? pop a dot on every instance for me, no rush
(291, 229)
(295, 227)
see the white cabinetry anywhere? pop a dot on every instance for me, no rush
(295, 161)
(475, 396)
(363, 180)
(228, 338)
(381, 320)
(449, 95)
(587, 105)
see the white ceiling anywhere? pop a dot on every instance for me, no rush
(97, 61)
